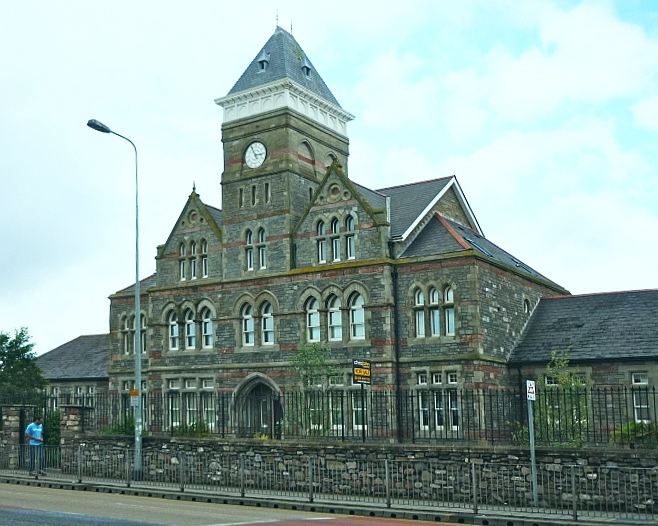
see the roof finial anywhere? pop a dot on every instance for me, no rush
(194, 186)
(291, 26)
(277, 18)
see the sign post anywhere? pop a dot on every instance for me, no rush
(530, 394)
(361, 375)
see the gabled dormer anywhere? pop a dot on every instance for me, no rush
(192, 252)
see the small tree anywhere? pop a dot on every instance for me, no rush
(19, 373)
(312, 414)
(563, 415)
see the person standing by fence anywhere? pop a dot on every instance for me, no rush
(34, 436)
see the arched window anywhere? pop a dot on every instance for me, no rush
(335, 240)
(312, 321)
(249, 250)
(173, 331)
(204, 258)
(182, 264)
(262, 250)
(267, 324)
(334, 319)
(127, 336)
(349, 238)
(435, 324)
(193, 248)
(357, 318)
(142, 334)
(449, 310)
(190, 330)
(183, 250)
(206, 328)
(419, 313)
(247, 325)
(322, 243)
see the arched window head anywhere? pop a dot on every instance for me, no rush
(204, 246)
(247, 325)
(206, 328)
(312, 320)
(335, 226)
(419, 313)
(448, 295)
(142, 333)
(334, 319)
(249, 237)
(193, 248)
(357, 317)
(449, 311)
(434, 296)
(419, 297)
(349, 224)
(267, 324)
(190, 330)
(182, 250)
(321, 228)
(435, 324)
(127, 335)
(173, 331)
(261, 235)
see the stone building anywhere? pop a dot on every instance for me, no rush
(299, 253)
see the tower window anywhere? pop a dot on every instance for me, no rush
(241, 198)
(268, 195)
(306, 68)
(253, 195)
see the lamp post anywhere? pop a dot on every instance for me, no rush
(99, 126)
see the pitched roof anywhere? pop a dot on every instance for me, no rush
(144, 284)
(216, 214)
(85, 357)
(433, 239)
(408, 202)
(593, 327)
(285, 59)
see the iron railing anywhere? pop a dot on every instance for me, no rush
(562, 417)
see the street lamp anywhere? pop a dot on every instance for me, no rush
(99, 126)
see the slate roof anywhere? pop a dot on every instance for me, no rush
(433, 239)
(408, 201)
(216, 214)
(286, 59)
(596, 327)
(146, 283)
(85, 357)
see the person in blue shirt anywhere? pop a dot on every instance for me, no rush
(34, 436)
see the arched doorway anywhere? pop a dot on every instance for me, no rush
(259, 410)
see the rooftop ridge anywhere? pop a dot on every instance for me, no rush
(412, 184)
(590, 294)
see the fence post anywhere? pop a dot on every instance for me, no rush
(181, 468)
(127, 465)
(474, 487)
(574, 493)
(241, 474)
(80, 457)
(310, 479)
(387, 480)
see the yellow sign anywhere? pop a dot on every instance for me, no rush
(361, 371)
(134, 392)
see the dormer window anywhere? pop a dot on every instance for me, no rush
(263, 61)
(306, 69)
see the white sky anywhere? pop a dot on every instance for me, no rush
(546, 111)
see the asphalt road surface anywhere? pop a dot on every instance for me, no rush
(30, 506)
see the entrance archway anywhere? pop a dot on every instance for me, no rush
(258, 409)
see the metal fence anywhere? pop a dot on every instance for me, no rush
(563, 417)
(572, 491)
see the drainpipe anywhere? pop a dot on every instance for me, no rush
(396, 339)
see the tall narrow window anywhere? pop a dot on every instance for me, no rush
(449, 310)
(142, 334)
(312, 321)
(249, 250)
(357, 318)
(181, 269)
(204, 258)
(206, 328)
(190, 330)
(322, 242)
(419, 313)
(127, 336)
(247, 325)
(262, 249)
(267, 325)
(241, 197)
(349, 238)
(268, 195)
(435, 324)
(335, 319)
(193, 260)
(253, 195)
(335, 240)
(173, 331)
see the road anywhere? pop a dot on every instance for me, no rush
(31, 506)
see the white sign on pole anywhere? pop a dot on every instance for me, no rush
(530, 389)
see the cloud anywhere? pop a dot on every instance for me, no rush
(645, 113)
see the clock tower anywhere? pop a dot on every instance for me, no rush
(282, 129)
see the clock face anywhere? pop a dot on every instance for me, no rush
(255, 155)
